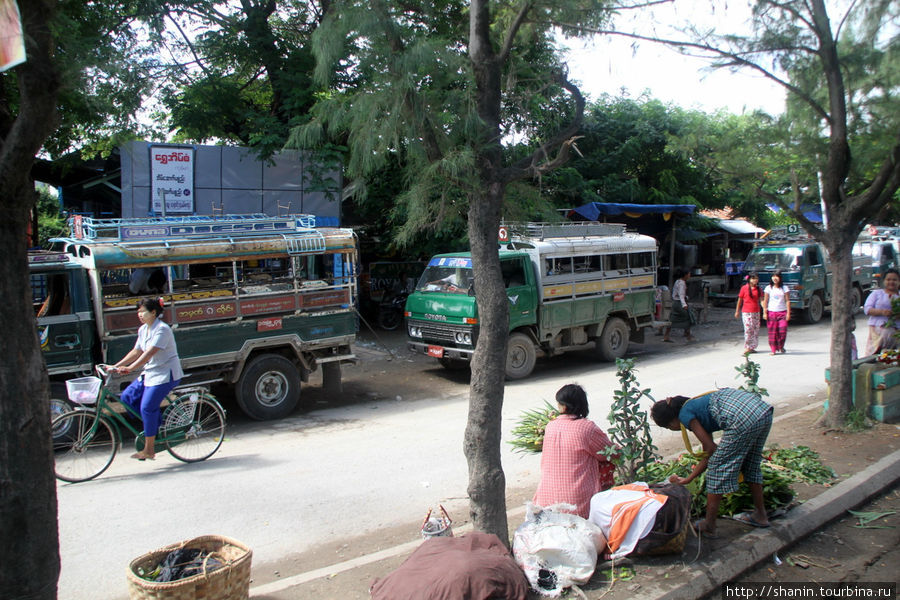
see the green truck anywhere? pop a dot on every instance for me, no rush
(570, 287)
(806, 270)
(255, 302)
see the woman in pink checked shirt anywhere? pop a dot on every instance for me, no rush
(572, 468)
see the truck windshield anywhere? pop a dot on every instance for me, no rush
(449, 279)
(783, 258)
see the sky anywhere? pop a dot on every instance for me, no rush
(608, 64)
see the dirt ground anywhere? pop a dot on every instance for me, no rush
(841, 552)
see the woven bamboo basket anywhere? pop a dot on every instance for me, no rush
(229, 582)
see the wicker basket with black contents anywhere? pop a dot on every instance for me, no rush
(221, 567)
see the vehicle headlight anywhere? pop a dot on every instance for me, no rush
(463, 337)
(415, 331)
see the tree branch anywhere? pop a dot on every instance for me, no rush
(533, 165)
(513, 30)
(733, 57)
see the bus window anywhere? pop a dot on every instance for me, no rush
(588, 264)
(641, 260)
(558, 266)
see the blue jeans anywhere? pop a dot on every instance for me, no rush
(146, 400)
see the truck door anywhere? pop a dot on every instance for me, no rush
(65, 336)
(522, 296)
(815, 275)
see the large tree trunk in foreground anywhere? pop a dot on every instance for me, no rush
(29, 552)
(487, 483)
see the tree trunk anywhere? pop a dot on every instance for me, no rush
(840, 397)
(29, 554)
(487, 483)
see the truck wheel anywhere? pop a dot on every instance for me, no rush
(389, 319)
(269, 388)
(520, 356)
(813, 312)
(59, 404)
(855, 300)
(613, 342)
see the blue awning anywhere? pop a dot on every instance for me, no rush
(592, 211)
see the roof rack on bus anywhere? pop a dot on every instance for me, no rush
(89, 229)
(573, 229)
(784, 233)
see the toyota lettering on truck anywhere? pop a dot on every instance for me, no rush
(571, 286)
(255, 302)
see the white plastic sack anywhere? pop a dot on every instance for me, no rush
(556, 549)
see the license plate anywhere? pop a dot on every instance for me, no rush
(436, 351)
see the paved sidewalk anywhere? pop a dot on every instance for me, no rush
(735, 553)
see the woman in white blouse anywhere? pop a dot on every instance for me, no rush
(777, 312)
(155, 352)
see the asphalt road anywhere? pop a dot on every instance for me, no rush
(329, 473)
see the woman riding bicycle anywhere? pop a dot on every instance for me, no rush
(155, 351)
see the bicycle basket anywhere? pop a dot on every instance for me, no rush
(84, 390)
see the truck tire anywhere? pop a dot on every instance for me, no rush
(855, 300)
(613, 342)
(520, 356)
(813, 312)
(269, 388)
(59, 405)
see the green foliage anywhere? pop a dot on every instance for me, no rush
(803, 464)
(51, 222)
(630, 432)
(749, 370)
(856, 421)
(528, 435)
(245, 74)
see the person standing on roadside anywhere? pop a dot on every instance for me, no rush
(878, 309)
(777, 312)
(680, 316)
(749, 305)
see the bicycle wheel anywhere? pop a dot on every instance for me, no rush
(193, 427)
(86, 451)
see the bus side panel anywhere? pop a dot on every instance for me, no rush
(211, 340)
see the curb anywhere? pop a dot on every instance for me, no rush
(747, 551)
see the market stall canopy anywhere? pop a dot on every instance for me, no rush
(594, 210)
(738, 226)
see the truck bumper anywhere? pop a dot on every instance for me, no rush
(438, 351)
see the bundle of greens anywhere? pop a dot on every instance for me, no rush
(528, 435)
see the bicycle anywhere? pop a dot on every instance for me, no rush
(192, 428)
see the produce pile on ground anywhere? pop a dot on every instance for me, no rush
(781, 467)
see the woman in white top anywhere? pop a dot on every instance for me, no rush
(777, 312)
(155, 351)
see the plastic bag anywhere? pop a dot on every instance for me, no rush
(556, 549)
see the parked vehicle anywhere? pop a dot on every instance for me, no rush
(571, 286)
(390, 311)
(806, 270)
(255, 302)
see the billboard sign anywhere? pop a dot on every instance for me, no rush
(172, 179)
